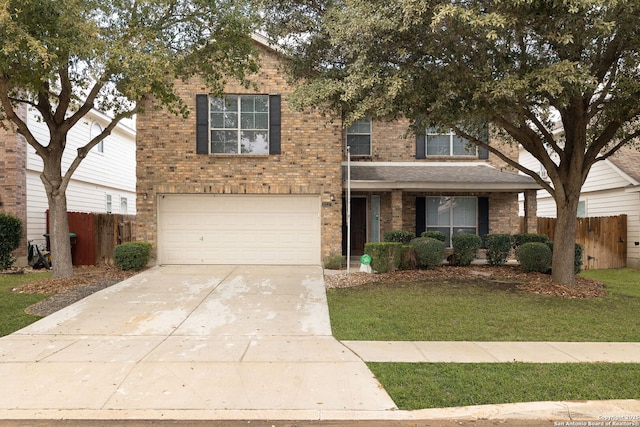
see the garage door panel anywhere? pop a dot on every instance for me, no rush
(247, 229)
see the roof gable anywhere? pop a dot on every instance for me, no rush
(627, 159)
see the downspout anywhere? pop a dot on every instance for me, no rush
(348, 210)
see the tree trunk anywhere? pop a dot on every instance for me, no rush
(59, 236)
(60, 243)
(564, 241)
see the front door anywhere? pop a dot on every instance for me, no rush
(358, 225)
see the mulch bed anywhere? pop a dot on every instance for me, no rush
(536, 283)
(86, 280)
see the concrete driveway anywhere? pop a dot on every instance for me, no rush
(189, 342)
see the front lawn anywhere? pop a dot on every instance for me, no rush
(12, 304)
(485, 310)
(438, 385)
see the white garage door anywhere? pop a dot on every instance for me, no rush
(228, 229)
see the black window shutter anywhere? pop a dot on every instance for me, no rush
(421, 146)
(202, 124)
(483, 216)
(274, 124)
(421, 215)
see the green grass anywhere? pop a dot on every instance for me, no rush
(482, 310)
(624, 281)
(12, 304)
(437, 385)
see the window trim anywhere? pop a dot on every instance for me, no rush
(202, 125)
(482, 153)
(99, 148)
(452, 226)
(452, 135)
(369, 134)
(582, 209)
(239, 128)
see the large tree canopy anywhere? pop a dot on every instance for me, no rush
(521, 65)
(63, 58)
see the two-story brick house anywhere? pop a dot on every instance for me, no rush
(246, 179)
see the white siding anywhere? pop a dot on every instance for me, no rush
(528, 161)
(81, 197)
(114, 168)
(112, 172)
(37, 205)
(604, 195)
(603, 177)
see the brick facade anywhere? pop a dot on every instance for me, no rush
(392, 142)
(310, 163)
(13, 169)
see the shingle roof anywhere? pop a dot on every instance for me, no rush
(628, 160)
(429, 177)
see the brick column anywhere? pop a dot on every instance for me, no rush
(396, 210)
(530, 211)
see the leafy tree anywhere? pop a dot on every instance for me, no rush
(63, 58)
(520, 65)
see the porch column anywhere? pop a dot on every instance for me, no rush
(396, 210)
(530, 211)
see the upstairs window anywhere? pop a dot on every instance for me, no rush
(432, 143)
(96, 130)
(239, 124)
(448, 144)
(359, 137)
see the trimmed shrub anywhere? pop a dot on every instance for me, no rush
(408, 259)
(498, 248)
(522, 238)
(132, 255)
(535, 256)
(577, 260)
(400, 236)
(438, 235)
(465, 247)
(10, 236)
(385, 256)
(334, 261)
(429, 252)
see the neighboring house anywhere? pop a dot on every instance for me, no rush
(248, 180)
(612, 188)
(105, 181)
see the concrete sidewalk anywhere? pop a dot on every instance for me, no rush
(495, 352)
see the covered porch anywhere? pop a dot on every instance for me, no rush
(468, 197)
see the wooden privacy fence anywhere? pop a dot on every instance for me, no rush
(97, 235)
(604, 240)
